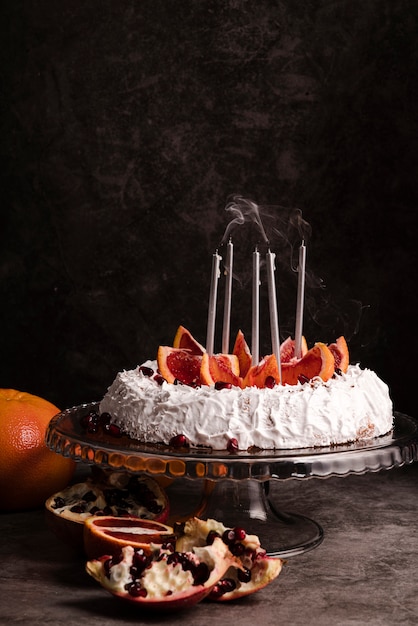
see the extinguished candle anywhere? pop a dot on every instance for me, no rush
(210, 337)
(300, 300)
(274, 318)
(228, 297)
(255, 327)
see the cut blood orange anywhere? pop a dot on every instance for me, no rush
(339, 350)
(318, 361)
(109, 534)
(178, 364)
(242, 351)
(220, 368)
(185, 340)
(287, 349)
(265, 374)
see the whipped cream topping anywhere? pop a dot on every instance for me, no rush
(349, 407)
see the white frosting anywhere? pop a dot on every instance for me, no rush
(350, 407)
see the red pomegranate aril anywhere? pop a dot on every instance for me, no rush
(232, 445)
(223, 586)
(159, 379)
(240, 533)
(244, 576)
(105, 419)
(146, 371)
(179, 441)
(200, 573)
(303, 379)
(270, 382)
(113, 430)
(222, 385)
(212, 534)
(237, 549)
(136, 590)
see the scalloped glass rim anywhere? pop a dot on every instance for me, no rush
(65, 436)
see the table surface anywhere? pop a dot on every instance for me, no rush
(364, 572)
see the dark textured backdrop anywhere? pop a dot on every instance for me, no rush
(126, 126)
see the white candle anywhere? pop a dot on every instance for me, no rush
(255, 308)
(300, 300)
(228, 296)
(210, 337)
(274, 319)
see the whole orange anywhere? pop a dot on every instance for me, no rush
(29, 471)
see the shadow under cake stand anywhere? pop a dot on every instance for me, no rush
(236, 486)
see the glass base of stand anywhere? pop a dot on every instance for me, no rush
(246, 504)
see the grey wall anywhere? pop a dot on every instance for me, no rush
(126, 127)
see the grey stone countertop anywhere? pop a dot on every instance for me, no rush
(364, 572)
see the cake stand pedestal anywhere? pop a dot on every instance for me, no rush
(236, 486)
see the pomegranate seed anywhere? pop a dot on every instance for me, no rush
(237, 549)
(159, 379)
(244, 575)
(113, 430)
(223, 586)
(179, 441)
(89, 496)
(104, 419)
(240, 533)
(200, 574)
(303, 379)
(221, 385)
(78, 508)
(228, 536)
(338, 371)
(106, 566)
(146, 371)
(232, 445)
(136, 590)
(212, 534)
(58, 502)
(270, 382)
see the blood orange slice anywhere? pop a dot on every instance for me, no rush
(219, 368)
(339, 350)
(242, 351)
(265, 374)
(178, 364)
(318, 361)
(109, 534)
(287, 349)
(185, 340)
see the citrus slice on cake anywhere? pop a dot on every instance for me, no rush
(109, 534)
(177, 364)
(242, 351)
(287, 349)
(318, 361)
(185, 340)
(265, 374)
(220, 368)
(339, 350)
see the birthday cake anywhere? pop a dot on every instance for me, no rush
(187, 397)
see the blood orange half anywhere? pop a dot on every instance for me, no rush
(109, 534)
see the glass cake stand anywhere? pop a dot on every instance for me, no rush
(236, 486)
